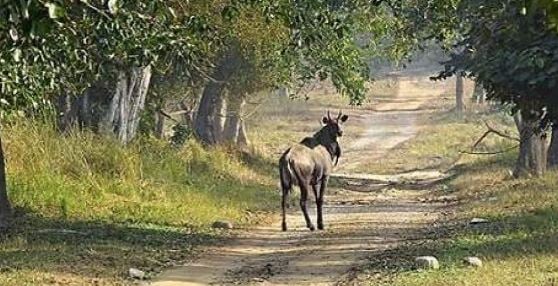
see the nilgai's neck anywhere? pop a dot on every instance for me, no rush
(324, 138)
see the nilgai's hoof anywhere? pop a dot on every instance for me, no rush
(312, 228)
(284, 227)
(320, 226)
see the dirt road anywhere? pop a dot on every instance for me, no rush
(358, 224)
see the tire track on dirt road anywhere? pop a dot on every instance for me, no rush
(358, 224)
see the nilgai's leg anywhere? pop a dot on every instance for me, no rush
(317, 197)
(320, 202)
(303, 198)
(283, 206)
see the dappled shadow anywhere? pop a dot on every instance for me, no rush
(93, 250)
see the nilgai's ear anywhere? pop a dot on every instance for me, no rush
(344, 118)
(325, 120)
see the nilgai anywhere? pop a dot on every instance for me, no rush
(308, 164)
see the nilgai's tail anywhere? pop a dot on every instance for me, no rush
(286, 175)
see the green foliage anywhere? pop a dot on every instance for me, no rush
(181, 134)
(55, 48)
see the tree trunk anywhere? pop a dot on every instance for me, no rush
(242, 140)
(209, 104)
(478, 94)
(459, 95)
(219, 118)
(159, 125)
(552, 162)
(128, 101)
(114, 110)
(5, 207)
(532, 147)
(234, 117)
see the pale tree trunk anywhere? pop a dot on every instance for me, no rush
(127, 103)
(219, 118)
(532, 147)
(113, 108)
(552, 162)
(234, 124)
(213, 92)
(479, 95)
(5, 207)
(459, 95)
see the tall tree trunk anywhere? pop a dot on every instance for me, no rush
(219, 118)
(552, 162)
(459, 95)
(209, 104)
(5, 207)
(113, 109)
(532, 147)
(159, 125)
(127, 103)
(235, 128)
(479, 94)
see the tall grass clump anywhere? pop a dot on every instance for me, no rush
(84, 176)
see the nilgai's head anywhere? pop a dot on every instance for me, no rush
(334, 126)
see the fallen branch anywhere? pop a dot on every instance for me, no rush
(490, 153)
(491, 130)
(497, 132)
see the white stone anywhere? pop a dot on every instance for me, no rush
(427, 262)
(136, 273)
(473, 261)
(478, 221)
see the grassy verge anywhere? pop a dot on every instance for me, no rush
(518, 245)
(88, 208)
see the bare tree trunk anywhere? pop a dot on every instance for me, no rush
(532, 148)
(213, 91)
(5, 207)
(234, 113)
(242, 140)
(219, 119)
(479, 95)
(459, 95)
(114, 110)
(123, 115)
(552, 162)
(159, 125)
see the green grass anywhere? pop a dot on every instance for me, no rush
(519, 245)
(145, 205)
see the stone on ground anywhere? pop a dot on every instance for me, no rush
(473, 261)
(478, 221)
(136, 273)
(427, 262)
(223, 224)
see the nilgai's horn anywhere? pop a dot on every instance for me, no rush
(328, 115)
(339, 115)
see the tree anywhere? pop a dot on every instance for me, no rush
(508, 47)
(48, 49)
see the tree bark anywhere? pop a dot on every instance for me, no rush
(552, 162)
(532, 147)
(159, 125)
(5, 206)
(234, 115)
(479, 94)
(209, 104)
(459, 95)
(113, 108)
(219, 118)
